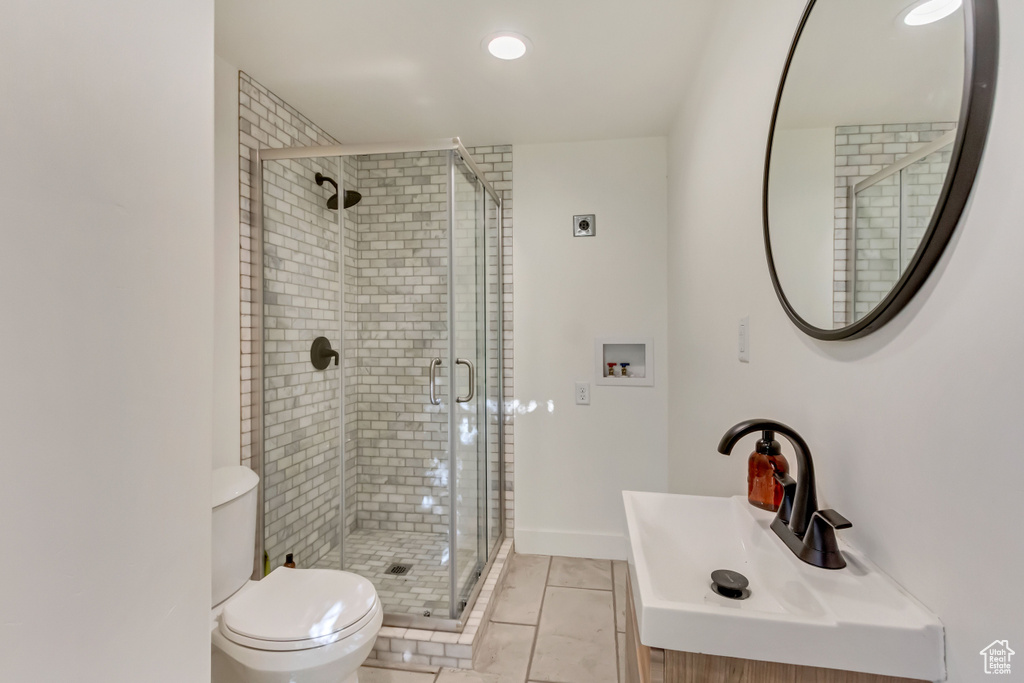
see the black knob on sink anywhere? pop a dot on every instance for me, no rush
(730, 584)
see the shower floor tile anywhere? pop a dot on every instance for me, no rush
(425, 588)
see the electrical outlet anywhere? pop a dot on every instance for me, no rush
(583, 393)
(744, 339)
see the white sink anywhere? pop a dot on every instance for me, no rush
(856, 618)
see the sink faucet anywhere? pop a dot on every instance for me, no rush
(806, 530)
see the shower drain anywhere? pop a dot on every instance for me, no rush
(398, 569)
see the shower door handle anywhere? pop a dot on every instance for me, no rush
(472, 381)
(433, 370)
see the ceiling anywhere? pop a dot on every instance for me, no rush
(396, 70)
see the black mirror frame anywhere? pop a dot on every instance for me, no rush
(981, 51)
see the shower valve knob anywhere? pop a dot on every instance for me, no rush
(320, 353)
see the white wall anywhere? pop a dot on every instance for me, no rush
(801, 217)
(227, 360)
(106, 189)
(572, 462)
(915, 429)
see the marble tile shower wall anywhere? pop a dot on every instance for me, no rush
(301, 404)
(402, 263)
(860, 152)
(267, 121)
(300, 301)
(920, 189)
(264, 120)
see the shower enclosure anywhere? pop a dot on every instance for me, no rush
(388, 461)
(891, 211)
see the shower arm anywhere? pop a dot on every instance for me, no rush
(320, 178)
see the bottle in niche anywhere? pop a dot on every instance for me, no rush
(762, 489)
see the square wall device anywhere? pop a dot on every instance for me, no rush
(584, 225)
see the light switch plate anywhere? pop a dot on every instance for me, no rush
(584, 225)
(744, 339)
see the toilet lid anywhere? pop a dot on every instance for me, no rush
(294, 609)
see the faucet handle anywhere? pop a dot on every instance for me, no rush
(820, 546)
(834, 519)
(788, 494)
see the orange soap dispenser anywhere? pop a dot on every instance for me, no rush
(763, 491)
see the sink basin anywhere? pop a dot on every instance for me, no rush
(856, 618)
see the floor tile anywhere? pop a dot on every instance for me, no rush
(463, 676)
(576, 637)
(574, 572)
(373, 675)
(505, 651)
(522, 590)
(620, 570)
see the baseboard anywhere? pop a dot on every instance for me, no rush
(571, 544)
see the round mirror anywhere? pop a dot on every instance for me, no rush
(876, 137)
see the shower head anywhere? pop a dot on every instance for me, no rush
(351, 196)
(351, 199)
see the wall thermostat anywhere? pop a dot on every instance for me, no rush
(584, 225)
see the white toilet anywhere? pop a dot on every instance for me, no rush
(294, 626)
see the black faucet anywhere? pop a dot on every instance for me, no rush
(808, 531)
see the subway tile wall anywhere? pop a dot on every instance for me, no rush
(393, 268)
(860, 152)
(300, 301)
(402, 310)
(301, 406)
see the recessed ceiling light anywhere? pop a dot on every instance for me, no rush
(931, 11)
(507, 45)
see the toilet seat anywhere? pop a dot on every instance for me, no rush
(299, 609)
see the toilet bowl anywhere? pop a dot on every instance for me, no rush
(293, 626)
(296, 626)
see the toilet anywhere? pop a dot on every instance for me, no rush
(294, 626)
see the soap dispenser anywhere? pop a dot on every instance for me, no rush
(763, 491)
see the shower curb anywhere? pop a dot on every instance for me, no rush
(401, 647)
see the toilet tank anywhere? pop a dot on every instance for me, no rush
(234, 529)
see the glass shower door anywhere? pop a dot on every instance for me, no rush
(468, 387)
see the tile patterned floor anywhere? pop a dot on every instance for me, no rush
(425, 588)
(555, 620)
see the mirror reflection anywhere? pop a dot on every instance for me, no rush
(862, 143)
